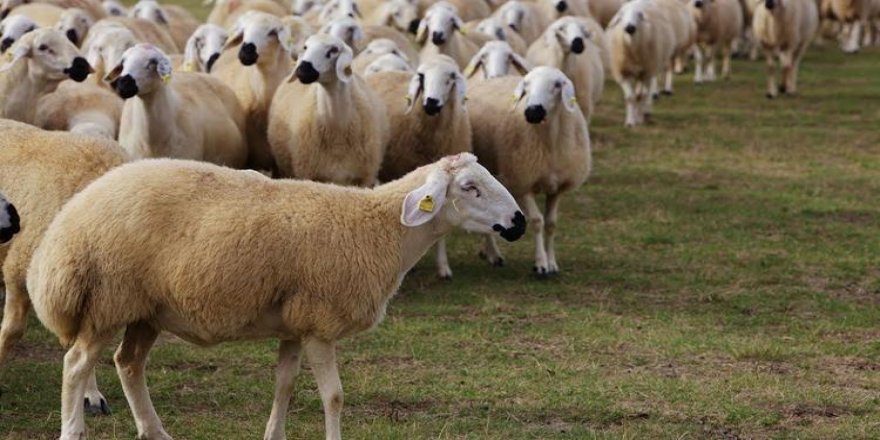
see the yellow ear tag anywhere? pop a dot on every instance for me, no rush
(166, 77)
(469, 71)
(408, 99)
(426, 204)
(188, 67)
(513, 99)
(573, 100)
(463, 31)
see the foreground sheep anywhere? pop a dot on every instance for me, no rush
(40, 171)
(185, 115)
(544, 150)
(323, 124)
(785, 28)
(9, 221)
(320, 264)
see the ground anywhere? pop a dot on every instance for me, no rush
(721, 279)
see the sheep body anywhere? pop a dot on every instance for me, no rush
(719, 24)
(786, 32)
(604, 10)
(44, 14)
(526, 18)
(226, 12)
(82, 108)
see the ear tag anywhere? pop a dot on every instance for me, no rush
(188, 67)
(469, 71)
(513, 99)
(463, 32)
(166, 77)
(573, 100)
(426, 204)
(409, 99)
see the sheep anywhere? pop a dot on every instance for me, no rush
(40, 60)
(204, 48)
(179, 23)
(321, 264)
(114, 8)
(83, 108)
(187, 115)
(227, 12)
(9, 220)
(309, 10)
(641, 44)
(526, 18)
(785, 28)
(545, 150)
(605, 10)
(568, 44)
(857, 17)
(468, 10)
(719, 24)
(494, 60)
(104, 46)
(494, 28)
(402, 15)
(75, 24)
(40, 171)
(336, 9)
(555, 9)
(299, 30)
(375, 50)
(386, 63)
(444, 26)
(440, 127)
(323, 123)
(684, 28)
(263, 63)
(12, 28)
(44, 14)
(346, 29)
(147, 32)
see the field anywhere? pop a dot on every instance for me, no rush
(721, 279)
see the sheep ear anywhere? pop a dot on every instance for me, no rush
(475, 63)
(357, 34)
(458, 25)
(284, 38)
(20, 50)
(114, 74)
(191, 53)
(164, 68)
(422, 33)
(425, 202)
(357, 10)
(568, 96)
(519, 63)
(518, 94)
(412, 94)
(343, 65)
(160, 16)
(461, 89)
(235, 38)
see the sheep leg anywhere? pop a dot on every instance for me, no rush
(289, 359)
(645, 100)
(698, 63)
(79, 363)
(726, 53)
(785, 60)
(851, 45)
(629, 96)
(551, 214)
(536, 221)
(710, 68)
(771, 75)
(15, 313)
(491, 253)
(443, 269)
(322, 359)
(94, 401)
(667, 86)
(131, 361)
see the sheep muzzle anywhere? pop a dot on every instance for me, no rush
(516, 231)
(535, 114)
(14, 226)
(306, 72)
(126, 86)
(248, 54)
(5, 44)
(71, 35)
(577, 45)
(79, 70)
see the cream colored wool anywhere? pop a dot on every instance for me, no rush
(82, 108)
(785, 32)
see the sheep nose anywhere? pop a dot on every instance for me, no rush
(516, 231)
(14, 226)
(769, 4)
(211, 61)
(577, 45)
(79, 70)
(71, 35)
(306, 72)
(535, 114)
(414, 26)
(698, 4)
(433, 106)
(5, 44)
(4, 13)
(561, 6)
(126, 87)
(248, 54)
(630, 29)
(438, 38)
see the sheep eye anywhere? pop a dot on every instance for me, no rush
(43, 48)
(558, 85)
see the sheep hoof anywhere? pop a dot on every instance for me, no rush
(97, 409)
(770, 96)
(445, 276)
(782, 89)
(655, 96)
(542, 272)
(667, 93)
(496, 262)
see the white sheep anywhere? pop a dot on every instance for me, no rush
(9, 220)
(185, 115)
(114, 8)
(44, 14)
(443, 27)
(785, 28)
(179, 23)
(104, 46)
(40, 171)
(309, 10)
(555, 9)
(402, 15)
(227, 12)
(431, 123)
(684, 29)
(204, 48)
(468, 10)
(543, 150)
(321, 264)
(526, 18)
(605, 10)
(83, 108)
(859, 18)
(146, 31)
(379, 48)
(719, 24)
(493, 27)
(641, 44)
(75, 24)
(323, 124)
(387, 63)
(12, 28)
(335, 9)
(346, 29)
(39, 61)
(254, 72)
(496, 59)
(574, 46)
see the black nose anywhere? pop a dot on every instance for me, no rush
(515, 232)
(14, 224)
(248, 54)
(213, 59)
(79, 70)
(438, 38)
(432, 107)
(770, 4)
(306, 72)
(71, 35)
(630, 29)
(5, 44)
(698, 4)
(577, 45)
(4, 13)
(414, 26)
(126, 87)
(561, 6)
(535, 114)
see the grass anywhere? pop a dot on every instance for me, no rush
(721, 280)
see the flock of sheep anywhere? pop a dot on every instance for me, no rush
(378, 109)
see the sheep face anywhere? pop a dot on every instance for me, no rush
(493, 28)
(496, 58)
(12, 28)
(150, 11)
(50, 56)
(402, 15)
(303, 7)
(438, 82)
(8, 5)
(346, 29)
(384, 46)
(513, 14)
(74, 23)
(339, 9)
(9, 221)
(387, 63)
(141, 71)
(114, 8)
(259, 34)
(204, 48)
(105, 46)
(464, 194)
(543, 89)
(570, 34)
(631, 18)
(325, 59)
(440, 23)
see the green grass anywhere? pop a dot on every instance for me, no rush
(721, 280)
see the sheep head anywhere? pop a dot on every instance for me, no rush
(325, 59)
(543, 89)
(50, 56)
(204, 48)
(496, 59)
(142, 70)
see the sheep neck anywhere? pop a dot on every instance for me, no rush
(20, 90)
(268, 75)
(334, 99)
(160, 110)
